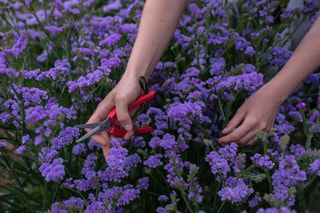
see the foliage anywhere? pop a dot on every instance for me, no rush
(60, 58)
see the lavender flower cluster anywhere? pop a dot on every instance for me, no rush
(59, 58)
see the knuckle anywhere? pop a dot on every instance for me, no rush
(120, 98)
(122, 118)
(252, 121)
(264, 126)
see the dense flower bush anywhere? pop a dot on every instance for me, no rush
(59, 58)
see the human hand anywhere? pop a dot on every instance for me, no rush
(124, 93)
(258, 112)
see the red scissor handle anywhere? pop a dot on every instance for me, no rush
(121, 132)
(141, 99)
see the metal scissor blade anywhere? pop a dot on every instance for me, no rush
(89, 126)
(105, 125)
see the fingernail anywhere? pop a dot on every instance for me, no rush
(225, 129)
(127, 127)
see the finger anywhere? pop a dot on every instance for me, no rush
(251, 141)
(237, 134)
(247, 139)
(234, 122)
(128, 135)
(123, 114)
(106, 150)
(102, 138)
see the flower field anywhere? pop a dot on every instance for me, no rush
(59, 59)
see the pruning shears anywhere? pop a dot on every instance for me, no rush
(106, 125)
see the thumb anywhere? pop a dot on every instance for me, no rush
(234, 122)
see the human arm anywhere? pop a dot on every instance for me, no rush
(158, 22)
(259, 110)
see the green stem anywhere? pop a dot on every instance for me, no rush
(269, 179)
(216, 195)
(221, 207)
(186, 201)
(45, 196)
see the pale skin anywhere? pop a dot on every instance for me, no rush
(158, 23)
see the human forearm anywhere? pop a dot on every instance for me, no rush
(304, 61)
(158, 23)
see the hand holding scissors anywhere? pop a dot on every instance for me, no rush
(112, 116)
(117, 102)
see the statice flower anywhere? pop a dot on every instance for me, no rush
(217, 66)
(143, 183)
(53, 29)
(248, 68)
(255, 201)
(163, 198)
(2, 144)
(119, 196)
(97, 207)
(53, 171)
(229, 152)
(65, 137)
(31, 95)
(110, 39)
(289, 172)
(235, 191)
(88, 167)
(239, 163)
(153, 161)
(72, 204)
(79, 149)
(175, 169)
(219, 165)
(21, 149)
(250, 82)
(262, 160)
(281, 56)
(88, 3)
(315, 167)
(283, 209)
(20, 44)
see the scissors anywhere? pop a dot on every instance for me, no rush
(112, 116)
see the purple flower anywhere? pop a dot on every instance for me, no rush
(163, 198)
(289, 172)
(217, 66)
(79, 149)
(229, 152)
(2, 144)
(143, 183)
(283, 209)
(255, 201)
(168, 141)
(21, 149)
(315, 167)
(262, 160)
(28, 2)
(98, 207)
(111, 39)
(301, 105)
(25, 139)
(249, 51)
(88, 3)
(54, 171)
(72, 204)
(86, 51)
(219, 165)
(53, 29)
(235, 193)
(153, 161)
